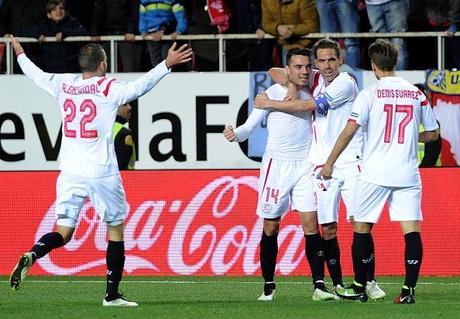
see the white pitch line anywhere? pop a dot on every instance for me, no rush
(174, 282)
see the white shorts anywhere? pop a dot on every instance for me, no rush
(328, 192)
(106, 194)
(404, 202)
(284, 182)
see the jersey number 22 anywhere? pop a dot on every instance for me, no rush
(88, 117)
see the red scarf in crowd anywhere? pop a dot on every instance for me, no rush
(219, 14)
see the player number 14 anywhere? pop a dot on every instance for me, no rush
(273, 193)
(388, 109)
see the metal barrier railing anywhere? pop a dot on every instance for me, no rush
(221, 38)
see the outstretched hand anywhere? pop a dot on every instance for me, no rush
(179, 56)
(16, 45)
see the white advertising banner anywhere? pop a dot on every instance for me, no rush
(180, 122)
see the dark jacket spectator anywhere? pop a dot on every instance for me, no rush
(21, 17)
(115, 17)
(120, 17)
(60, 57)
(249, 20)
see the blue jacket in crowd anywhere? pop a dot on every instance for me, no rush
(166, 15)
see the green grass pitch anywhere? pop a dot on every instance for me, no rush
(217, 297)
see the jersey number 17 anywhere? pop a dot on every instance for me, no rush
(388, 109)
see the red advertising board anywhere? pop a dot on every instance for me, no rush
(202, 222)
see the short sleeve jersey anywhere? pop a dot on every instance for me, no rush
(88, 109)
(289, 133)
(339, 95)
(392, 110)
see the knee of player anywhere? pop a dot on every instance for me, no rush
(329, 230)
(271, 227)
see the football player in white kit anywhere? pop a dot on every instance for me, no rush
(392, 110)
(88, 103)
(286, 174)
(336, 90)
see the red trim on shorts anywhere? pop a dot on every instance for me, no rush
(351, 120)
(101, 80)
(107, 88)
(268, 172)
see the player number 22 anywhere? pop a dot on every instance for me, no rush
(89, 109)
(388, 108)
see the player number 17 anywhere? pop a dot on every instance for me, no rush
(388, 109)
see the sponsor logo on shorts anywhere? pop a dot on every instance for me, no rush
(267, 208)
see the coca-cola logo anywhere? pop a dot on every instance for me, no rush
(215, 232)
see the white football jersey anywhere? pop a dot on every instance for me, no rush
(392, 110)
(88, 110)
(289, 133)
(339, 96)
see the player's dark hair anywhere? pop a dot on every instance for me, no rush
(384, 54)
(297, 51)
(326, 44)
(90, 57)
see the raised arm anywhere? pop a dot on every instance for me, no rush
(342, 142)
(46, 81)
(133, 90)
(279, 76)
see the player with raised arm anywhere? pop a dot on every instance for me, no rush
(286, 174)
(392, 109)
(88, 103)
(334, 92)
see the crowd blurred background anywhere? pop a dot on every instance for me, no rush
(287, 20)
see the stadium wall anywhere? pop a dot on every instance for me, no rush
(202, 222)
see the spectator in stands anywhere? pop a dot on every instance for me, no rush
(205, 53)
(341, 16)
(60, 57)
(444, 15)
(21, 18)
(390, 16)
(158, 18)
(120, 17)
(249, 20)
(82, 10)
(123, 139)
(205, 21)
(289, 19)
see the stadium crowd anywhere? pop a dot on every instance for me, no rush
(284, 19)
